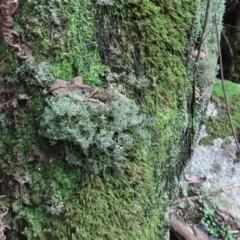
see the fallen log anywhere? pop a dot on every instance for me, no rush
(181, 230)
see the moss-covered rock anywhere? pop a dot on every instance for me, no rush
(219, 126)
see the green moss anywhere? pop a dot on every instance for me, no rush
(219, 126)
(226, 142)
(149, 48)
(65, 31)
(79, 54)
(9, 60)
(216, 128)
(232, 89)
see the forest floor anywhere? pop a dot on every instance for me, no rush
(210, 187)
(219, 166)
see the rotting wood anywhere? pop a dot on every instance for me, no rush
(181, 229)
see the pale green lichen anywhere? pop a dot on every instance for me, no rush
(96, 136)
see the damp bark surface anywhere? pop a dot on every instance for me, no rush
(139, 46)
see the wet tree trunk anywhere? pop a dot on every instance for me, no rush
(126, 42)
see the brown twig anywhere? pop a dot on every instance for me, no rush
(201, 43)
(7, 8)
(223, 85)
(207, 195)
(233, 28)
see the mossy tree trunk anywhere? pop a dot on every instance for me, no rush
(102, 41)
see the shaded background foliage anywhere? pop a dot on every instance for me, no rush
(231, 41)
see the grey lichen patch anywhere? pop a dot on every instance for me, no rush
(97, 136)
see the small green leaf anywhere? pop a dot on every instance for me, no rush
(182, 205)
(185, 193)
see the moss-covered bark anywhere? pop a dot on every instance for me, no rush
(138, 43)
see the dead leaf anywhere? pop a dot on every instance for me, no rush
(64, 87)
(59, 87)
(194, 179)
(77, 81)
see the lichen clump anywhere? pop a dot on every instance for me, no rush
(96, 136)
